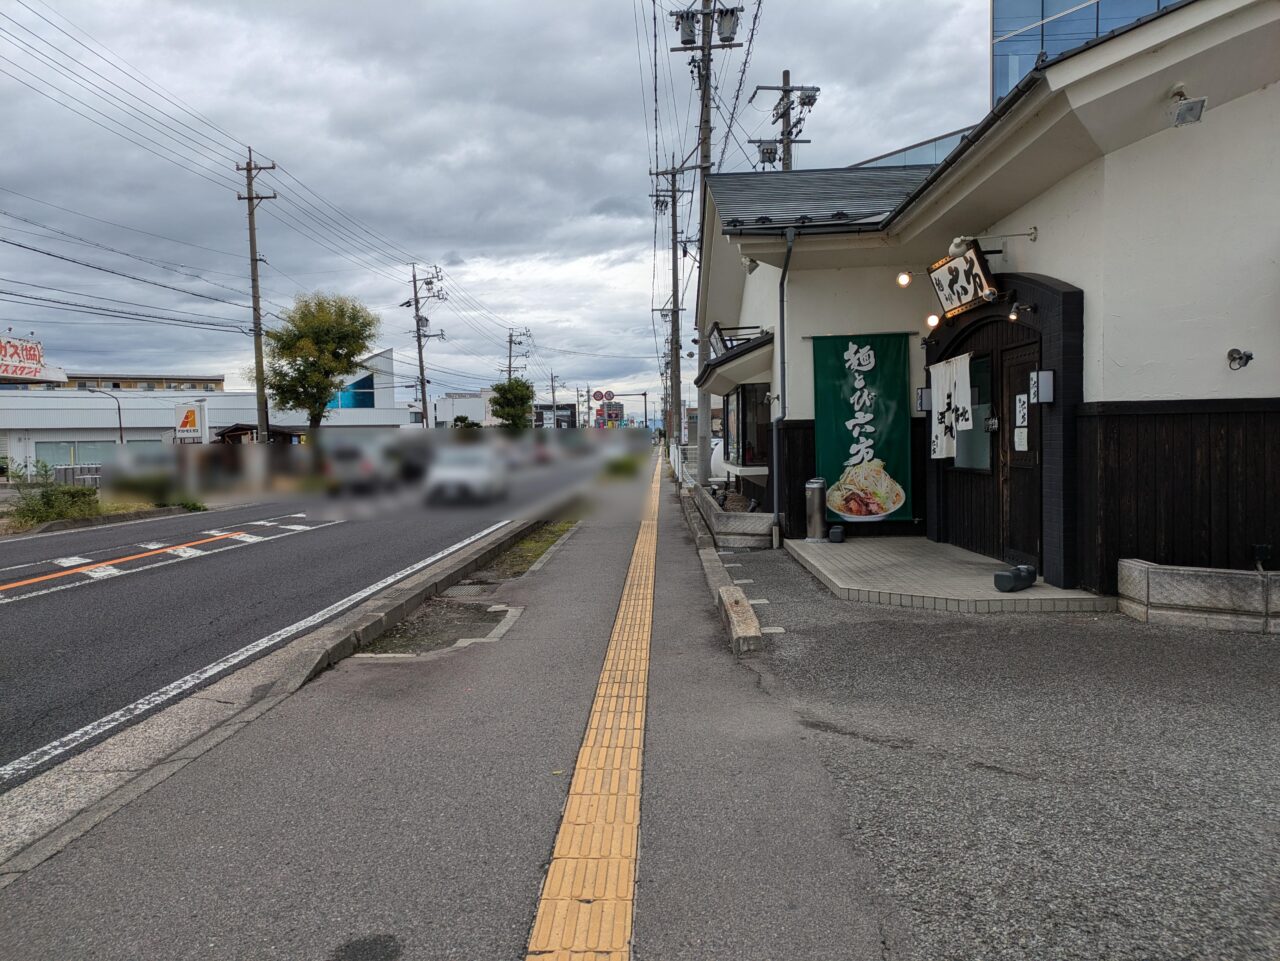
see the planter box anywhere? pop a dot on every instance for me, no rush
(733, 528)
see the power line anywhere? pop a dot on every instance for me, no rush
(118, 273)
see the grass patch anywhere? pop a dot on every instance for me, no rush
(623, 466)
(525, 552)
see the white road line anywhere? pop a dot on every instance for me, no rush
(98, 573)
(70, 561)
(295, 527)
(151, 545)
(262, 523)
(247, 538)
(183, 553)
(167, 693)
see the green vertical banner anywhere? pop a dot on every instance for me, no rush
(862, 425)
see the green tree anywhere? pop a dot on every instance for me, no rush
(321, 342)
(513, 402)
(463, 422)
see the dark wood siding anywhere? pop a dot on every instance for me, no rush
(971, 499)
(1186, 482)
(799, 463)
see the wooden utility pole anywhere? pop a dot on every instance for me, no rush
(259, 369)
(674, 427)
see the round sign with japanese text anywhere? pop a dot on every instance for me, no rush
(608, 395)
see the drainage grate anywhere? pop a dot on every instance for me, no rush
(467, 590)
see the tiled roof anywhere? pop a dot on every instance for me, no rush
(840, 197)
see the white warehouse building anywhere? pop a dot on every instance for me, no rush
(68, 427)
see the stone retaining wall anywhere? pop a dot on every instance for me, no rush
(1204, 597)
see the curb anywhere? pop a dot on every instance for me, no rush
(300, 660)
(737, 613)
(74, 523)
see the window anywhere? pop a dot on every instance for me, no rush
(755, 425)
(56, 453)
(149, 385)
(747, 424)
(82, 385)
(732, 429)
(208, 387)
(973, 447)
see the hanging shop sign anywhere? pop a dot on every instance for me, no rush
(862, 425)
(962, 282)
(22, 362)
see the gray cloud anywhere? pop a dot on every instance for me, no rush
(507, 141)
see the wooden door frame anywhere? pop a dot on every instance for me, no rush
(1057, 314)
(1008, 553)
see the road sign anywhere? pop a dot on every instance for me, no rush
(608, 395)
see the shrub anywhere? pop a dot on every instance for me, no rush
(55, 502)
(628, 465)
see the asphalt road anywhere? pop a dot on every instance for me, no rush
(81, 642)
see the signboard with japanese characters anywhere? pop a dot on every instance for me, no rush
(961, 282)
(862, 425)
(22, 362)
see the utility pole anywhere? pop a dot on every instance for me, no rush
(515, 339)
(784, 111)
(555, 411)
(250, 170)
(726, 21)
(420, 329)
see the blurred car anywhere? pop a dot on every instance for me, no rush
(467, 472)
(352, 468)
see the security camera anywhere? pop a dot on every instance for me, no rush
(959, 245)
(989, 295)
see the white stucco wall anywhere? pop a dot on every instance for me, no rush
(1175, 241)
(864, 300)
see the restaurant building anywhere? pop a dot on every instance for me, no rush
(1058, 345)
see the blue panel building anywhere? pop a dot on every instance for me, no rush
(1021, 29)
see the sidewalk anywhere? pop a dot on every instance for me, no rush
(407, 809)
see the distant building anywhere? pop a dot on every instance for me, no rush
(145, 382)
(475, 405)
(566, 416)
(73, 426)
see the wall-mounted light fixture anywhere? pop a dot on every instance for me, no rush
(961, 243)
(904, 278)
(1238, 359)
(1186, 110)
(932, 320)
(1017, 310)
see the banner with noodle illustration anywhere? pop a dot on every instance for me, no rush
(862, 425)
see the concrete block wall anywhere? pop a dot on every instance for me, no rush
(1212, 598)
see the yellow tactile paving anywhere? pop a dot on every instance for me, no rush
(584, 913)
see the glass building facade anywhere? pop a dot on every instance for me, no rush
(1018, 34)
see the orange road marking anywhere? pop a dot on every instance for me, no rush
(117, 560)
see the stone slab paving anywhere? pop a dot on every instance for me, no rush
(916, 572)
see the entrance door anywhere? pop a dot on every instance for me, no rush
(1019, 446)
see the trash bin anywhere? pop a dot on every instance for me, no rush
(815, 509)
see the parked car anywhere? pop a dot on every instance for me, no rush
(467, 472)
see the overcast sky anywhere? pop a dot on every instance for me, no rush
(508, 142)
